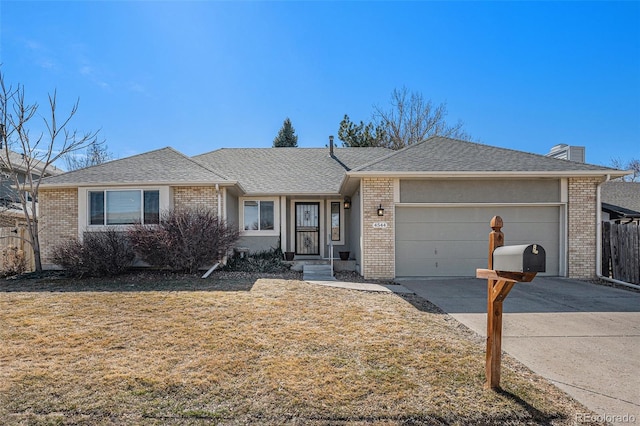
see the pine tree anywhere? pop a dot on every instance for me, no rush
(286, 136)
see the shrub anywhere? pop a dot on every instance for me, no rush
(13, 262)
(99, 254)
(267, 261)
(184, 240)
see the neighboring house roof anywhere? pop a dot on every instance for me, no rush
(439, 155)
(621, 198)
(162, 166)
(18, 163)
(288, 170)
(10, 204)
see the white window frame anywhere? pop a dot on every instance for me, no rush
(84, 214)
(255, 232)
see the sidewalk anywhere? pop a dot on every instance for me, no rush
(362, 286)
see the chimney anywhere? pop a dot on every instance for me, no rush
(566, 152)
(331, 145)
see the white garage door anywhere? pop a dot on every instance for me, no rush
(453, 241)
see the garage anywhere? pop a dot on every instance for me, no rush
(443, 241)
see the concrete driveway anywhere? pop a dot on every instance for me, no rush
(585, 338)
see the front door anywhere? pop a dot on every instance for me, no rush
(308, 228)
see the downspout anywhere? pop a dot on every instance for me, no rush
(219, 201)
(224, 257)
(599, 240)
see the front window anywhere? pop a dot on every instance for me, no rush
(259, 215)
(124, 207)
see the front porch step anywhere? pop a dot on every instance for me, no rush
(317, 273)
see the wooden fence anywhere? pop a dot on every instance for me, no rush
(14, 244)
(621, 251)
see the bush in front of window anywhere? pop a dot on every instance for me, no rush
(184, 240)
(99, 254)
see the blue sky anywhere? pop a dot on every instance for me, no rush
(204, 75)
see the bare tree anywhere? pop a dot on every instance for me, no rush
(96, 153)
(409, 119)
(38, 152)
(633, 165)
(412, 118)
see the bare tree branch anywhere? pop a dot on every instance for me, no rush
(409, 119)
(36, 155)
(632, 165)
(412, 119)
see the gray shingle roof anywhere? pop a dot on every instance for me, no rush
(162, 166)
(622, 194)
(18, 163)
(288, 170)
(439, 154)
(312, 170)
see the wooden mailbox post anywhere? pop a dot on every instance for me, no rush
(499, 284)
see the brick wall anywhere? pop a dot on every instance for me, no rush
(195, 196)
(378, 244)
(582, 227)
(58, 219)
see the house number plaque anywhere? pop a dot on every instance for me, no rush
(380, 225)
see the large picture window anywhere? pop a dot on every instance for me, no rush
(258, 215)
(124, 207)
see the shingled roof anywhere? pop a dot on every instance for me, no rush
(622, 196)
(18, 163)
(439, 154)
(262, 171)
(162, 166)
(288, 170)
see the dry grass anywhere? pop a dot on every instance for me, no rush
(276, 352)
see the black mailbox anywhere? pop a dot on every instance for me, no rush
(521, 258)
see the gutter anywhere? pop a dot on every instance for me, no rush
(483, 174)
(599, 241)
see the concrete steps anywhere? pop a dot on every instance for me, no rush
(317, 273)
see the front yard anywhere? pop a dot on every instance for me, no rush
(270, 351)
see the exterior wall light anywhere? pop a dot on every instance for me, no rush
(380, 210)
(347, 203)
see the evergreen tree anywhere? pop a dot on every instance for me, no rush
(360, 135)
(286, 136)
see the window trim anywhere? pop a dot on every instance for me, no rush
(256, 232)
(84, 208)
(328, 203)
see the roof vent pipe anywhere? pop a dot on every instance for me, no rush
(331, 145)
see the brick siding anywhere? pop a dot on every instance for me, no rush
(195, 197)
(58, 219)
(582, 227)
(378, 243)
